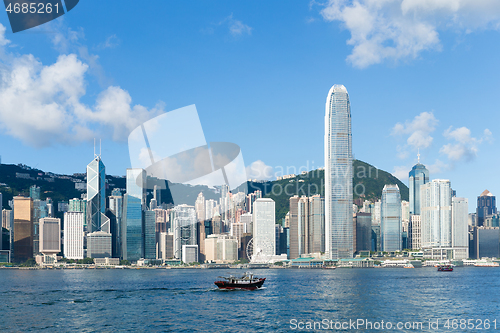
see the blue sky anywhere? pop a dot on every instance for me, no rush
(420, 75)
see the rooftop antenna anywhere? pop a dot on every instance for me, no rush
(94, 148)
(99, 147)
(418, 156)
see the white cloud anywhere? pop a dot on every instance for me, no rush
(401, 172)
(110, 43)
(236, 27)
(438, 167)
(259, 170)
(402, 29)
(41, 104)
(465, 147)
(418, 130)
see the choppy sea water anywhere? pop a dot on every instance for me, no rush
(186, 300)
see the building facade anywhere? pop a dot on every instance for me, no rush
(96, 193)
(390, 226)
(263, 229)
(73, 235)
(338, 175)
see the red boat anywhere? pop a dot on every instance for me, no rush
(445, 268)
(247, 282)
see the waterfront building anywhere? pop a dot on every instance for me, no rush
(50, 236)
(307, 225)
(73, 235)
(99, 245)
(166, 246)
(132, 219)
(418, 176)
(263, 229)
(149, 234)
(390, 227)
(96, 193)
(376, 244)
(486, 242)
(116, 208)
(227, 249)
(486, 206)
(210, 250)
(436, 214)
(23, 229)
(459, 226)
(189, 253)
(184, 228)
(415, 232)
(338, 175)
(363, 232)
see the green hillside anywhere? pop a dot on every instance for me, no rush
(368, 183)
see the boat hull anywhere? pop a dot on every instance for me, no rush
(445, 269)
(245, 286)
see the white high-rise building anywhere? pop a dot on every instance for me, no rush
(339, 241)
(73, 235)
(199, 207)
(459, 226)
(435, 210)
(264, 238)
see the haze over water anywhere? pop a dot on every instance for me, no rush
(179, 300)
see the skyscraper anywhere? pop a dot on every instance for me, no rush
(418, 176)
(459, 227)
(338, 175)
(264, 240)
(390, 226)
(23, 229)
(96, 195)
(436, 214)
(486, 206)
(149, 234)
(184, 227)
(73, 235)
(133, 205)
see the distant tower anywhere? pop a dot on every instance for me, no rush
(390, 226)
(419, 175)
(339, 242)
(264, 238)
(486, 206)
(96, 195)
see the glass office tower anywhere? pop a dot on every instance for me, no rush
(133, 205)
(390, 226)
(339, 241)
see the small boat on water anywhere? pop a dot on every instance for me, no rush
(445, 268)
(408, 266)
(247, 282)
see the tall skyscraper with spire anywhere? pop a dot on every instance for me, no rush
(339, 242)
(419, 175)
(96, 195)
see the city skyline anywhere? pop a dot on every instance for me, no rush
(226, 65)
